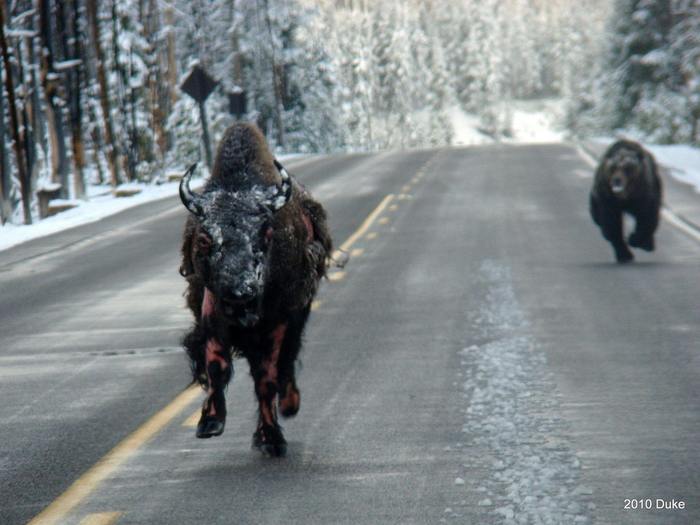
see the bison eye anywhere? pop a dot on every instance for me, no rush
(203, 243)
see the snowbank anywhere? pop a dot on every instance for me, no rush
(683, 162)
(531, 122)
(98, 207)
(466, 128)
(537, 121)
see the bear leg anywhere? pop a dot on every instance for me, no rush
(611, 226)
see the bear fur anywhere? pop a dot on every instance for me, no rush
(626, 181)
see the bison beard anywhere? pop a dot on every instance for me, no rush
(255, 247)
(626, 181)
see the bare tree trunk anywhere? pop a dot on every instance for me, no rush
(25, 182)
(112, 151)
(277, 82)
(92, 101)
(49, 81)
(26, 109)
(37, 116)
(75, 85)
(172, 63)
(156, 87)
(5, 177)
(128, 159)
(237, 58)
(694, 120)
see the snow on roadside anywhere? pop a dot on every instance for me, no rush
(682, 160)
(536, 121)
(101, 204)
(514, 434)
(98, 207)
(466, 128)
(532, 122)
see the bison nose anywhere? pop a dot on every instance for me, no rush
(236, 303)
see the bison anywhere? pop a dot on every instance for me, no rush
(255, 247)
(626, 181)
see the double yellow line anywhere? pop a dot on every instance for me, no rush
(89, 481)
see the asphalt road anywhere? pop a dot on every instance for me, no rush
(481, 359)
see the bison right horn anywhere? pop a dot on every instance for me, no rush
(193, 202)
(284, 190)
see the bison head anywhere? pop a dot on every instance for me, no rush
(232, 241)
(623, 171)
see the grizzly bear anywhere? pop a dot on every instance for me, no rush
(626, 181)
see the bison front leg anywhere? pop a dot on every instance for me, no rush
(290, 398)
(268, 436)
(219, 369)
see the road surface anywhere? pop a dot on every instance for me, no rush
(481, 359)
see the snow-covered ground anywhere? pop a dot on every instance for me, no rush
(466, 128)
(98, 207)
(683, 162)
(532, 121)
(537, 121)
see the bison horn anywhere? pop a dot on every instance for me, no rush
(284, 190)
(193, 202)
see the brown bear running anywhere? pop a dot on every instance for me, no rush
(626, 181)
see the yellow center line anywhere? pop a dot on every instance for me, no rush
(86, 484)
(393, 207)
(364, 226)
(316, 304)
(371, 236)
(356, 252)
(101, 518)
(384, 220)
(192, 420)
(336, 276)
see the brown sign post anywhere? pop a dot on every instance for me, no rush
(199, 85)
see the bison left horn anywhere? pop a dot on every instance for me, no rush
(193, 202)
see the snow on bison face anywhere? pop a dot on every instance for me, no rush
(231, 247)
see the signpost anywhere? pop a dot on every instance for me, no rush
(237, 102)
(199, 85)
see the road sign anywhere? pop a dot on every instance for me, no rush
(237, 103)
(199, 84)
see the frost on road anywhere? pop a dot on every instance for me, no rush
(516, 455)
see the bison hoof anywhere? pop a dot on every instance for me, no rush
(270, 442)
(289, 404)
(209, 426)
(624, 257)
(645, 244)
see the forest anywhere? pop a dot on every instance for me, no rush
(93, 90)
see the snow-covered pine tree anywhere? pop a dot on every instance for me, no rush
(685, 57)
